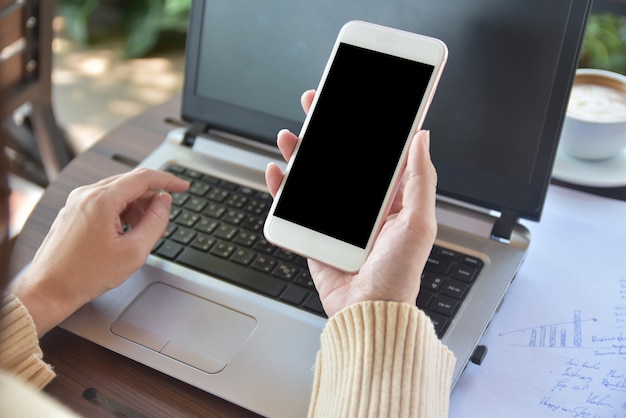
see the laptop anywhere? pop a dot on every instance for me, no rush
(495, 124)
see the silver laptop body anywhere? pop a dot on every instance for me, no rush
(495, 124)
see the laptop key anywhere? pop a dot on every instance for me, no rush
(214, 210)
(313, 303)
(179, 199)
(452, 255)
(223, 249)
(464, 273)
(424, 297)
(285, 255)
(210, 179)
(187, 219)
(196, 204)
(305, 279)
(206, 225)
(237, 201)
(286, 271)
(253, 223)
(431, 281)
(183, 235)
(294, 295)
(234, 217)
(193, 174)
(472, 261)
(243, 256)
(443, 305)
(264, 264)
(437, 265)
(454, 288)
(264, 247)
(203, 242)
(226, 232)
(169, 249)
(247, 239)
(171, 228)
(176, 169)
(257, 208)
(218, 195)
(199, 189)
(232, 272)
(440, 322)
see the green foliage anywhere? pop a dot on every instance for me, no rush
(139, 22)
(76, 14)
(604, 45)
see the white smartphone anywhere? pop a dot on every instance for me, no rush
(341, 179)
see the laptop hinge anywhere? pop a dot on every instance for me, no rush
(503, 228)
(196, 129)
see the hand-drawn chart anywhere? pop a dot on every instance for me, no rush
(558, 335)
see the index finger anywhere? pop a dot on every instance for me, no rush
(136, 183)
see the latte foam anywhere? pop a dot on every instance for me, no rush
(597, 103)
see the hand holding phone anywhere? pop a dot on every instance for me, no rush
(403, 245)
(373, 97)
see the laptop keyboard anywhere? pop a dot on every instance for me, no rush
(216, 227)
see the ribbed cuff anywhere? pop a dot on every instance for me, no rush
(20, 353)
(382, 359)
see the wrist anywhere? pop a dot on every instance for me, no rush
(45, 300)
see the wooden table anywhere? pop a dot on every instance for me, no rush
(92, 380)
(112, 382)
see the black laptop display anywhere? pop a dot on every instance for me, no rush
(497, 114)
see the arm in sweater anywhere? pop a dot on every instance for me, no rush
(20, 354)
(377, 359)
(381, 359)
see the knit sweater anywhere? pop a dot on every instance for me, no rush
(377, 359)
(381, 359)
(20, 353)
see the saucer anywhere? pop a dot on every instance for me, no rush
(604, 173)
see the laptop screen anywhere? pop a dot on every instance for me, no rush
(497, 114)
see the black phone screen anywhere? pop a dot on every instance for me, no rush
(353, 142)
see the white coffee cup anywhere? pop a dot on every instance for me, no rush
(595, 123)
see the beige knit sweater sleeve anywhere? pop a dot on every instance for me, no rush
(20, 354)
(381, 359)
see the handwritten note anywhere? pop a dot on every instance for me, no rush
(587, 389)
(557, 348)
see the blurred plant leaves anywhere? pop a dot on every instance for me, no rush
(604, 45)
(139, 22)
(76, 14)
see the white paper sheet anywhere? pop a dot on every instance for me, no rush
(557, 347)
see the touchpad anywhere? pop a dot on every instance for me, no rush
(195, 331)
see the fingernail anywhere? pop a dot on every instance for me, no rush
(165, 199)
